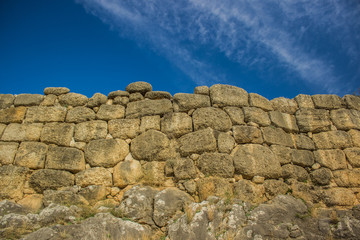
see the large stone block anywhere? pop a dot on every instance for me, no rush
(150, 122)
(31, 155)
(355, 137)
(295, 172)
(80, 114)
(118, 93)
(124, 128)
(96, 100)
(284, 105)
(56, 90)
(303, 142)
(154, 173)
(327, 101)
(28, 99)
(304, 101)
(256, 115)
(339, 197)
(185, 101)
(226, 95)
(12, 181)
(256, 160)
(352, 101)
(93, 193)
(353, 156)
(225, 143)
(214, 186)
(46, 114)
(152, 146)
(22, 132)
(141, 87)
(158, 95)
(65, 158)
(236, 115)
(216, 164)
(7, 152)
(148, 107)
(127, 172)
(109, 112)
(248, 191)
(176, 124)
(333, 159)
(198, 142)
(73, 99)
(313, 120)
(214, 118)
(277, 136)
(321, 176)
(284, 121)
(92, 130)
(58, 133)
(259, 101)
(303, 158)
(283, 153)
(204, 90)
(106, 152)
(332, 139)
(6, 100)
(94, 176)
(347, 177)
(247, 134)
(183, 168)
(345, 119)
(43, 179)
(12, 115)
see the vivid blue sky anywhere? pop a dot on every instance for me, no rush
(274, 48)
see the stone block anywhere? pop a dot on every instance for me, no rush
(44, 179)
(353, 156)
(304, 101)
(203, 90)
(256, 115)
(214, 118)
(225, 143)
(31, 155)
(93, 193)
(94, 176)
(176, 124)
(327, 101)
(259, 101)
(158, 95)
(106, 152)
(236, 115)
(7, 152)
(80, 114)
(22, 132)
(303, 158)
(321, 176)
(58, 133)
(347, 177)
(216, 164)
(182, 168)
(121, 100)
(109, 112)
(92, 130)
(45, 114)
(154, 173)
(345, 119)
(148, 107)
(12, 115)
(49, 100)
(96, 100)
(28, 99)
(33, 202)
(352, 101)
(56, 90)
(150, 122)
(295, 172)
(355, 137)
(135, 97)
(247, 191)
(284, 121)
(197, 142)
(126, 173)
(141, 87)
(283, 153)
(124, 128)
(12, 181)
(274, 188)
(118, 93)
(184, 102)
(214, 186)
(73, 99)
(332, 139)
(277, 136)
(247, 134)
(284, 105)
(256, 160)
(313, 120)
(303, 142)
(226, 95)
(6, 100)
(67, 196)
(65, 158)
(333, 159)
(339, 197)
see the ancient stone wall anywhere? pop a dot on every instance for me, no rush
(218, 141)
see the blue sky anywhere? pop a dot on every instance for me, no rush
(274, 47)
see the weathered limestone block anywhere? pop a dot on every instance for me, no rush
(127, 172)
(313, 120)
(216, 164)
(148, 107)
(293, 171)
(203, 90)
(73, 99)
(225, 143)
(247, 134)
(94, 176)
(135, 97)
(321, 176)
(44, 179)
(12, 181)
(167, 202)
(226, 95)
(303, 158)
(121, 100)
(154, 173)
(339, 197)
(236, 115)
(197, 142)
(332, 139)
(256, 115)
(284, 121)
(109, 112)
(214, 118)
(182, 168)
(58, 133)
(259, 101)
(56, 90)
(28, 99)
(283, 153)
(184, 101)
(118, 93)
(256, 160)
(92, 130)
(284, 105)
(141, 87)
(31, 155)
(12, 115)
(214, 186)
(158, 95)
(80, 114)
(152, 146)
(353, 156)
(96, 100)
(150, 122)
(45, 114)
(33, 202)
(277, 136)
(22, 132)
(345, 119)
(352, 101)
(49, 100)
(355, 137)
(248, 191)
(333, 159)
(93, 193)
(7, 152)
(124, 128)
(106, 152)
(304, 101)
(327, 101)
(176, 124)
(303, 142)
(347, 177)
(274, 188)
(66, 196)
(65, 158)
(6, 100)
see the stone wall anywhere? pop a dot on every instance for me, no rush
(218, 141)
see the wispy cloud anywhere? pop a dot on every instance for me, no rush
(254, 34)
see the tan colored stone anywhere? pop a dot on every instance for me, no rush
(2, 128)
(91, 130)
(214, 118)
(148, 107)
(96, 100)
(94, 193)
(313, 120)
(303, 142)
(49, 100)
(216, 164)
(214, 186)
(33, 202)
(259, 101)
(109, 112)
(333, 159)
(274, 188)
(56, 90)
(127, 172)
(321, 176)
(154, 173)
(303, 158)
(12, 181)
(203, 90)
(118, 93)
(58, 133)
(226, 95)
(352, 101)
(256, 115)
(22, 132)
(184, 102)
(176, 124)
(345, 119)
(247, 134)
(355, 137)
(80, 114)
(141, 87)
(73, 99)
(327, 101)
(225, 143)
(7, 152)
(6, 100)
(332, 139)
(94, 176)
(283, 153)
(284, 105)
(135, 97)
(247, 191)
(182, 168)
(347, 178)
(31, 155)
(121, 100)
(65, 158)
(28, 99)
(353, 156)
(158, 95)
(277, 136)
(284, 121)
(339, 197)
(292, 171)
(106, 152)
(236, 115)
(124, 128)
(45, 114)
(197, 142)
(150, 122)
(304, 101)
(12, 115)
(43, 179)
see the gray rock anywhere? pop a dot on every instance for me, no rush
(43, 179)
(236, 115)
(31, 155)
(148, 107)
(313, 120)
(141, 87)
(321, 176)
(56, 90)
(352, 101)
(7, 207)
(28, 99)
(345, 119)
(7, 152)
(6, 100)
(327, 101)
(91, 130)
(247, 134)
(158, 95)
(256, 115)
(226, 95)
(284, 105)
(304, 101)
(80, 114)
(96, 100)
(197, 142)
(22, 132)
(184, 101)
(45, 114)
(12, 181)
(176, 124)
(73, 99)
(57, 133)
(284, 121)
(259, 101)
(65, 158)
(332, 139)
(124, 128)
(12, 115)
(277, 136)
(216, 164)
(214, 118)
(303, 158)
